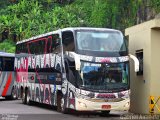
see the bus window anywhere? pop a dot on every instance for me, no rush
(17, 49)
(0, 64)
(49, 45)
(23, 48)
(8, 64)
(41, 47)
(36, 48)
(68, 41)
(56, 43)
(32, 48)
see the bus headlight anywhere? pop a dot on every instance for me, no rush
(82, 104)
(127, 105)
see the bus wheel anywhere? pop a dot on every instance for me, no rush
(28, 101)
(14, 93)
(60, 104)
(59, 97)
(8, 97)
(24, 97)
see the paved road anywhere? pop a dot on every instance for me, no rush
(15, 110)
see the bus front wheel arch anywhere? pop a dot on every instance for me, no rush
(21, 92)
(14, 93)
(60, 103)
(59, 97)
(28, 100)
(24, 94)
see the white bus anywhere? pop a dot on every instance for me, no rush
(7, 76)
(84, 69)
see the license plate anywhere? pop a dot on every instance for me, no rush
(106, 107)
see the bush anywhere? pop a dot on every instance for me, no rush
(7, 46)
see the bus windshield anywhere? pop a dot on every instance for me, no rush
(95, 76)
(110, 41)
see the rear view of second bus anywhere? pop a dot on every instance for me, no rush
(7, 76)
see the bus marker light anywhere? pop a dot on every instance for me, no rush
(127, 104)
(32, 78)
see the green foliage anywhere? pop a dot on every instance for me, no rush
(27, 18)
(156, 5)
(7, 46)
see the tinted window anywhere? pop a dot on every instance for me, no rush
(56, 43)
(25, 48)
(68, 41)
(49, 45)
(41, 46)
(109, 41)
(17, 48)
(0, 64)
(37, 47)
(7, 64)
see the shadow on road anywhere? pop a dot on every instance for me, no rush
(92, 114)
(40, 105)
(73, 113)
(3, 99)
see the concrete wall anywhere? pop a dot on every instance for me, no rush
(155, 64)
(144, 36)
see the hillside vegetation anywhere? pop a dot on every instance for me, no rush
(21, 19)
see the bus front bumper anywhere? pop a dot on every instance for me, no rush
(86, 105)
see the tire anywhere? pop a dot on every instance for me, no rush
(60, 104)
(24, 97)
(8, 97)
(59, 97)
(13, 95)
(28, 101)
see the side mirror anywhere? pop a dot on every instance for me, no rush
(136, 62)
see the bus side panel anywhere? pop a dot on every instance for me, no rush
(6, 84)
(43, 93)
(44, 89)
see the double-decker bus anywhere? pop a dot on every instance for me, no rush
(84, 69)
(7, 76)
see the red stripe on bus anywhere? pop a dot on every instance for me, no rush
(7, 85)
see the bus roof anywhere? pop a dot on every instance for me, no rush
(5, 54)
(88, 28)
(66, 29)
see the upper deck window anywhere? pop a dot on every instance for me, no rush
(110, 41)
(68, 41)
